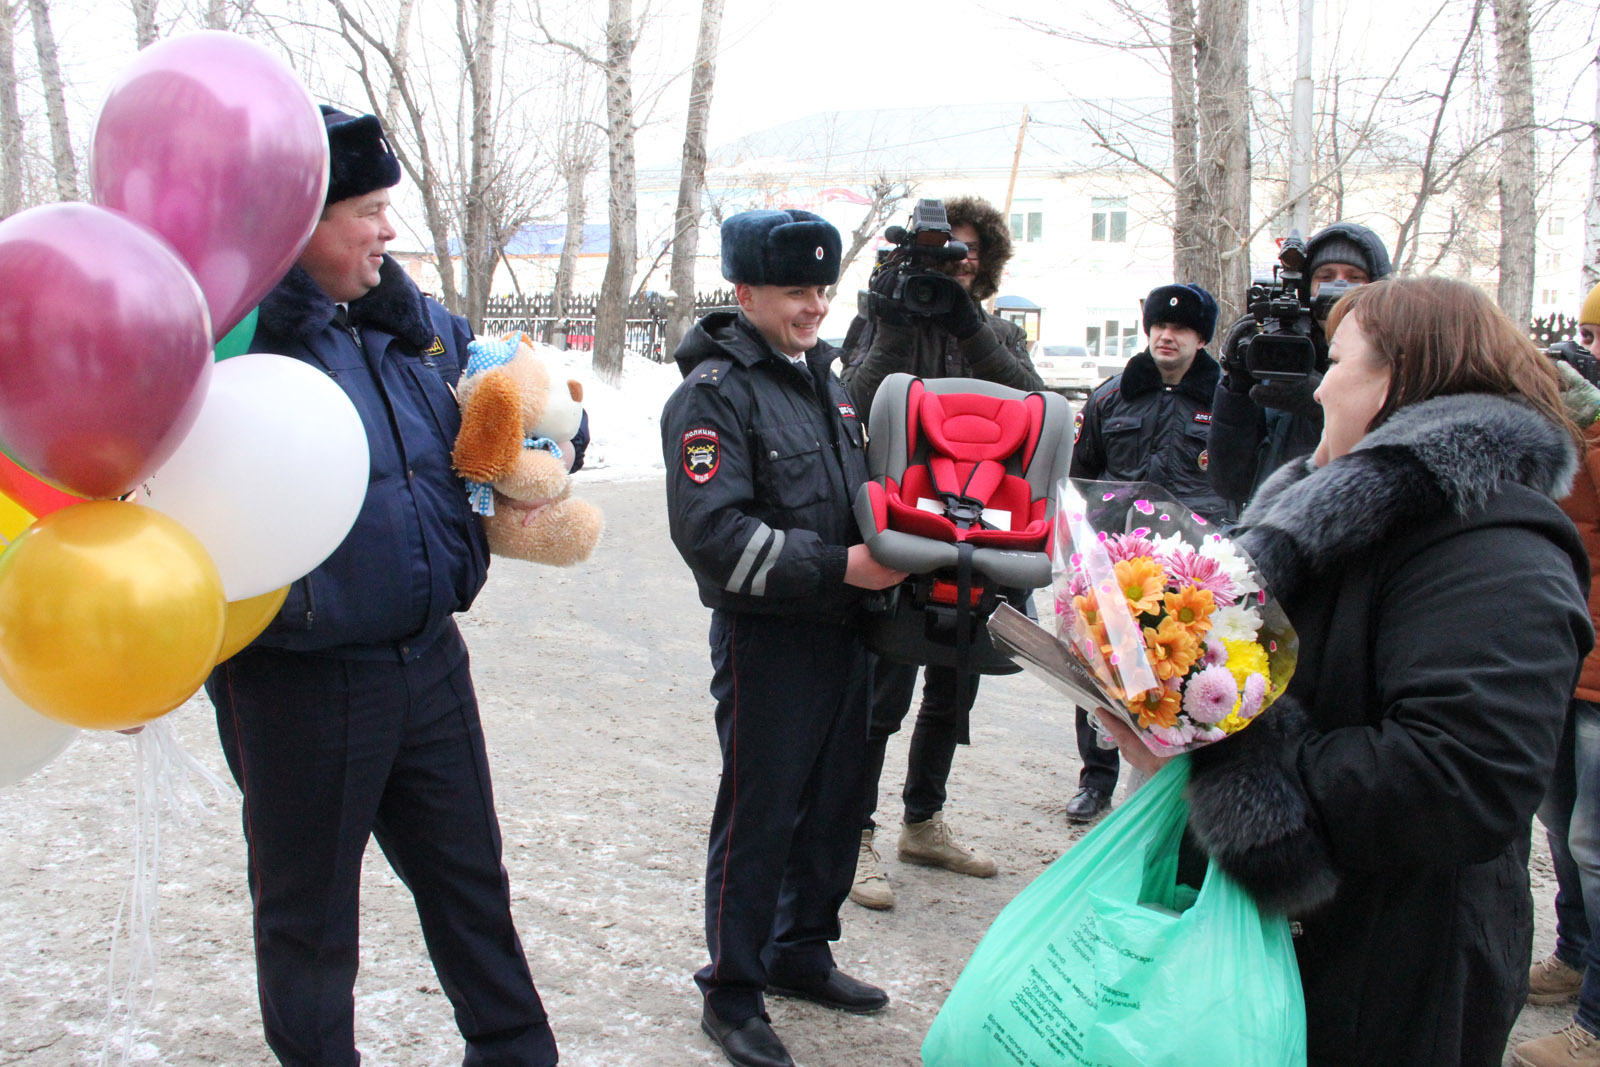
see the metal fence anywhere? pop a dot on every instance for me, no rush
(574, 328)
(1547, 331)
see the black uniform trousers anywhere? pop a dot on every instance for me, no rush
(933, 738)
(329, 752)
(791, 717)
(1100, 765)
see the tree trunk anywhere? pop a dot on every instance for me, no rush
(611, 315)
(1518, 178)
(44, 41)
(1223, 99)
(217, 14)
(1189, 229)
(572, 240)
(692, 180)
(1591, 220)
(11, 132)
(144, 22)
(480, 243)
(393, 101)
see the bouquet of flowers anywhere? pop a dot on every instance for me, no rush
(1169, 616)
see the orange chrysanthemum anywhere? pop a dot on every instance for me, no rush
(1172, 649)
(1191, 607)
(1087, 607)
(1157, 707)
(1142, 581)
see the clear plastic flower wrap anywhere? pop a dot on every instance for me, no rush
(1169, 615)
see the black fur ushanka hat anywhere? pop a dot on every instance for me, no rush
(359, 157)
(780, 248)
(1182, 305)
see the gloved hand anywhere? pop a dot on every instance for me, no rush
(1294, 397)
(964, 319)
(1236, 376)
(884, 307)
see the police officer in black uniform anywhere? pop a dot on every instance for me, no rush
(353, 715)
(1149, 424)
(764, 455)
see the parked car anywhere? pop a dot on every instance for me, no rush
(1071, 369)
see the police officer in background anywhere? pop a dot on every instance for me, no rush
(1257, 427)
(1149, 424)
(764, 454)
(353, 715)
(965, 342)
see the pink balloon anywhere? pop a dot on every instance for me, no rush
(105, 348)
(208, 139)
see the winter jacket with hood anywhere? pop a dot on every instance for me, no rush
(1248, 442)
(1385, 802)
(762, 472)
(1136, 428)
(416, 553)
(1582, 505)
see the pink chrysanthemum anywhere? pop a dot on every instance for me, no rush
(1208, 734)
(1255, 689)
(1174, 736)
(1129, 546)
(1210, 694)
(1215, 654)
(1188, 567)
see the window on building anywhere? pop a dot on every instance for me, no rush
(1091, 341)
(1552, 261)
(1027, 224)
(1108, 220)
(1549, 296)
(1555, 226)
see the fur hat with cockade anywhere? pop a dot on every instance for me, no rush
(780, 248)
(359, 157)
(1182, 305)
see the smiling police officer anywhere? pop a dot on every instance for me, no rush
(764, 456)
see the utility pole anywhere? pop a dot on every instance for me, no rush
(1300, 149)
(1016, 160)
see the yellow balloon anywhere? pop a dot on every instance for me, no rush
(111, 615)
(247, 618)
(14, 518)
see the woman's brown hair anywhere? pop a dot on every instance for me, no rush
(1441, 337)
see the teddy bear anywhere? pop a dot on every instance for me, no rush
(514, 448)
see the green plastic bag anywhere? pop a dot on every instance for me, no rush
(1106, 961)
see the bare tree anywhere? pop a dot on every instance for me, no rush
(1222, 97)
(1518, 211)
(692, 178)
(1189, 236)
(1591, 218)
(44, 42)
(884, 197)
(577, 154)
(144, 22)
(481, 250)
(11, 129)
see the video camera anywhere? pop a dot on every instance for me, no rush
(1577, 357)
(1290, 345)
(906, 276)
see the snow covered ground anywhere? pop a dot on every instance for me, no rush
(624, 420)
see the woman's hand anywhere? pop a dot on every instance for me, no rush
(1133, 750)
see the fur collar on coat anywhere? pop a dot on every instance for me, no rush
(298, 309)
(1445, 455)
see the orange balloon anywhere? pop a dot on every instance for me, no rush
(247, 618)
(111, 615)
(14, 518)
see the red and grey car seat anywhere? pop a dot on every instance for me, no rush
(962, 497)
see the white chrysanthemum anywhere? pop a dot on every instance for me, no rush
(1233, 565)
(1234, 623)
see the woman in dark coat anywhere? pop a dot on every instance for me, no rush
(1385, 802)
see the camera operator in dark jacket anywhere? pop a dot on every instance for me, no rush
(965, 342)
(1257, 427)
(1148, 424)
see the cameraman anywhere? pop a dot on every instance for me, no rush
(964, 342)
(1257, 427)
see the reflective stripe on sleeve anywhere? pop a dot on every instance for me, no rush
(759, 540)
(759, 586)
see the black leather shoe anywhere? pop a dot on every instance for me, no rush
(747, 1043)
(1088, 805)
(835, 989)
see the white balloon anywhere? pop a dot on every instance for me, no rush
(28, 740)
(272, 475)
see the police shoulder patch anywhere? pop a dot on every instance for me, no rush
(1077, 426)
(1204, 459)
(437, 348)
(701, 454)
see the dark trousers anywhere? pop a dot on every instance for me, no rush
(1571, 816)
(1099, 764)
(328, 752)
(933, 738)
(792, 721)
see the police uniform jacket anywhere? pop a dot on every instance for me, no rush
(1136, 428)
(875, 350)
(762, 469)
(416, 553)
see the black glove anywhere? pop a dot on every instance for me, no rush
(963, 320)
(1236, 376)
(1295, 397)
(883, 306)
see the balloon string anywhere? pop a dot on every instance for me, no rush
(166, 777)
